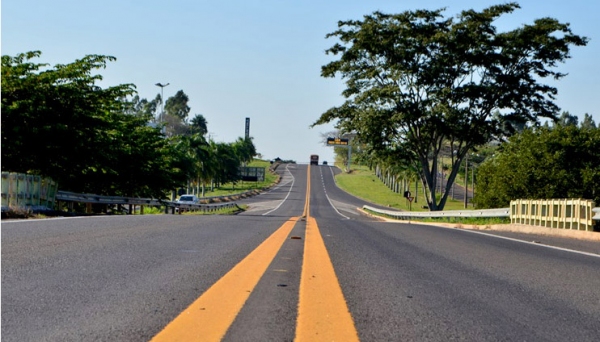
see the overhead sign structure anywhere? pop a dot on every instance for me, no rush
(337, 141)
(341, 142)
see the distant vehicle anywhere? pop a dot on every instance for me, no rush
(188, 199)
(314, 159)
(324, 162)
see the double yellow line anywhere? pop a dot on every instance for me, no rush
(322, 311)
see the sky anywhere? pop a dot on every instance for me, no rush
(257, 59)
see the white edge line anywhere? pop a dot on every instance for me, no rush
(511, 239)
(530, 243)
(329, 200)
(286, 197)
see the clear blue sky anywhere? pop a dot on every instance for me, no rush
(257, 59)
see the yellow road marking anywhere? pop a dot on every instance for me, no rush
(323, 314)
(209, 317)
(322, 311)
(307, 202)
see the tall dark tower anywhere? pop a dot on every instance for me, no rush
(247, 128)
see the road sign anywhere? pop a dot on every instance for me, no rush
(256, 174)
(337, 141)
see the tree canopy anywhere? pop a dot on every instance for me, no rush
(417, 81)
(545, 162)
(58, 123)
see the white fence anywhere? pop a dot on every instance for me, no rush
(23, 190)
(576, 214)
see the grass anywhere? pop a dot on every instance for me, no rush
(470, 220)
(224, 211)
(363, 183)
(154, 210)
(480, 221)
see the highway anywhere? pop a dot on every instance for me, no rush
(301, 264)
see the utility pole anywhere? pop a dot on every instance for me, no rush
(162, 101)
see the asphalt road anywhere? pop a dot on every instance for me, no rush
(128, 278)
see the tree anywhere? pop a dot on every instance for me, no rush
(542, 163)
(143, 108)
(177, 105)
(57, 122)
(227, 163)
(244, 149)
(588, 122)
(199, 125)
(176, 114)
(419, 81)
(567, 119)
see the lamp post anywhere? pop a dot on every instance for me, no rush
(162, 101)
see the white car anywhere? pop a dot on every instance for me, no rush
(188, 199)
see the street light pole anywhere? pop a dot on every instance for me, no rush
(162, 101)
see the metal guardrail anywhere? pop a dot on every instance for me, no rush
(503, 212)
(67, 196)
(170, 206)
(23, 194)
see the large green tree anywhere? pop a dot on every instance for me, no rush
(57, 122)
(419, 81)
(541, 163)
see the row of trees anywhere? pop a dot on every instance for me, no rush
(555, 160)
(57, 122)
(418, 82)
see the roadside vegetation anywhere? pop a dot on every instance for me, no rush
(58, 122)
(363, 183)
(420, 85)
(430, 101)
(224, 211)
(231, 188)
